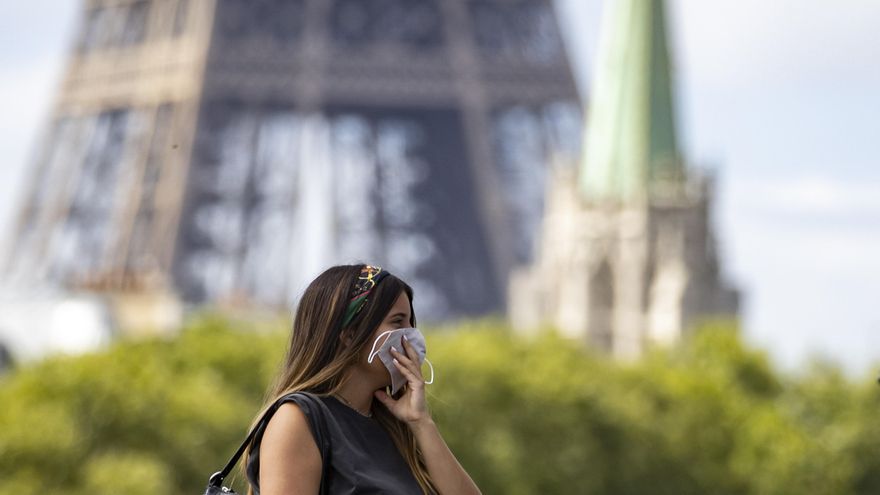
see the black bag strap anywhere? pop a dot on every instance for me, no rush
(217, 478)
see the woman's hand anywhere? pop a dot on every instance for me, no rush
(411, 407)
(446, 473)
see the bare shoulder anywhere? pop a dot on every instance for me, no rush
(290, 461)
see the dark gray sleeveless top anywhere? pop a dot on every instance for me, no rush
(360, 457)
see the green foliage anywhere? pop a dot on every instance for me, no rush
(710, 416)
(523, 415)
(140, 416)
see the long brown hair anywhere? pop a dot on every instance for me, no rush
(316, 360)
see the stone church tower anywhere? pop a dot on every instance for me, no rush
(626, 256)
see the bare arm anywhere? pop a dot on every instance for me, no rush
(448, 476)
(446, 473)
(290, 462)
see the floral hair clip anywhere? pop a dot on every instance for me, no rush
(369, 277)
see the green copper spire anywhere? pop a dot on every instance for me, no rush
(630, 147)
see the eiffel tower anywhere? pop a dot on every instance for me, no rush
(232, 149)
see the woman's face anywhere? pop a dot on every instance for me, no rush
(398, 317)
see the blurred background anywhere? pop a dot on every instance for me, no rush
(658, 219)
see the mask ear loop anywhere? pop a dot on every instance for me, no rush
(373, 350)
(432, 372)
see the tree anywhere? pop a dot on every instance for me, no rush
(524, 416)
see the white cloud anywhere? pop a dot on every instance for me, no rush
(729, 44)
(34, 39)
(812, 194)
(807, 247)
(831, 225)
(25, 96)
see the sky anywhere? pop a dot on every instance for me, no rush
(781, 99)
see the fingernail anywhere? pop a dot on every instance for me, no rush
(405, 339)
(394, 349)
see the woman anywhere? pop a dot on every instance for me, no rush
(378, 443)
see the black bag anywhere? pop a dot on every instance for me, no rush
(215, 482)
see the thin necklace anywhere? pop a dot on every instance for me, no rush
(349, 404)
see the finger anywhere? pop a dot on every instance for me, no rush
(409, 363)
(401, 356)
(413, 354)
(413, 382)
(407, 372)
(410, 376)
(384, 398)
(409, 349)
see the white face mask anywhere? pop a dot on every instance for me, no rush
(415, 338)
